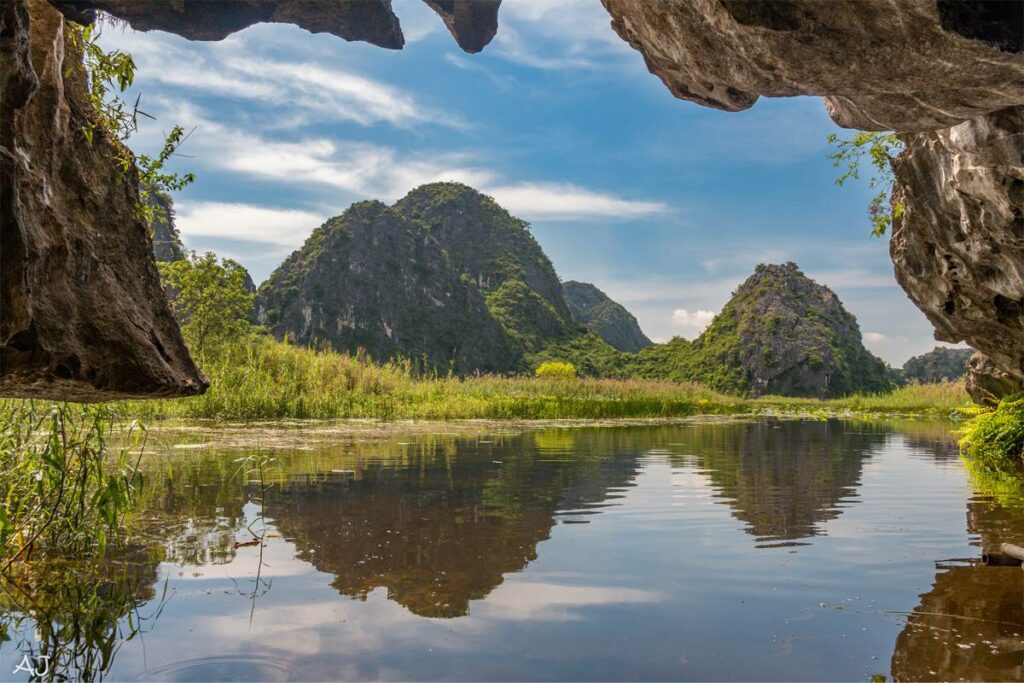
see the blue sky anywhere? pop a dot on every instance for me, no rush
(665, 205)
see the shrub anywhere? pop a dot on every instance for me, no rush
(552, 369)
(994, 441)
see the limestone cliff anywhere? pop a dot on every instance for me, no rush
(497, 252)
(471, 22)
(594, 310)
(780, 333)
(938, 365)
(82, 313)
(373, 279)
(881, 64)
(958, 247)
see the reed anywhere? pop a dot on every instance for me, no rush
(265, 379)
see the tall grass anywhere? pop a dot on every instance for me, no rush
(65, 490)
(266, 379)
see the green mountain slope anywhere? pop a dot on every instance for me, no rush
(941, 363)
(781, 333)
(609, 320)
(497, 252)
(374, 279)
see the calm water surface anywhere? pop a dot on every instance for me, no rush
(748, 550)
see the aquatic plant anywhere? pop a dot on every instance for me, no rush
(66, 489)
(992, 446)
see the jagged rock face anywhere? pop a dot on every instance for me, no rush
(374, 279)
(986, 383)
(167, 246)
(83, 315)
(904, 65)
(938, 365)
(609, 320)
(882, 64)
(782, 333)
(497, 252)
(471, 22)
(958, 247)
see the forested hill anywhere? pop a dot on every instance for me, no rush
(608, 319)
(780, 333)
(446, 276)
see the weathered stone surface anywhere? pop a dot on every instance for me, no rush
(593, 309)
(82, 314)
(882, 64)
(958, 248)
(472, 23)
(367, 20)
(986, 383)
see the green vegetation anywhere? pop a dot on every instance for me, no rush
(110, 75)
(992, 445)
(556, 369)
(593, 309)
(263, 379)
(66, 491)
(478, 293)
(879, 148)
(780, 333)
(210, 301)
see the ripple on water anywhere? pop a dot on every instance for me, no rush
(222, 668)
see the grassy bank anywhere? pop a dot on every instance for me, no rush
(271, 380)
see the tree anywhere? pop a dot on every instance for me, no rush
(209, 299)
(880, 148)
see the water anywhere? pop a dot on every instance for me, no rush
(725, 551)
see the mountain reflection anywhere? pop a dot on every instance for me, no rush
(970, 625)
(783, 479)
(443, 526)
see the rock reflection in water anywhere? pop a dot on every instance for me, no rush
(970, 625)
(782, 478)
(443, 526)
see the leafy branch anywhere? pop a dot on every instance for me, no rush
(110, 74)
(878, 149)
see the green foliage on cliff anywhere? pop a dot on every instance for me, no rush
(877, 148)
(110, 74)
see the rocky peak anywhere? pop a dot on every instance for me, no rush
(374, 279)
(593, 309)
(492, 247)
(783, 333)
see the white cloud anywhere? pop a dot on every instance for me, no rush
(874, 337)
(285, 227)
(568, 34)
(691, 323)
(297, 89)
(852, 278)
(373, 171)
(555, 201)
